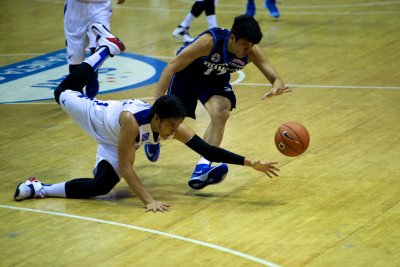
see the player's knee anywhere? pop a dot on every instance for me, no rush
(101, 189)
(221, 115)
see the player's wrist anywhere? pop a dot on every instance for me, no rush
(248, 162)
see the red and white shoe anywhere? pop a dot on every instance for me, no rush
(106, 39)
(30, 189)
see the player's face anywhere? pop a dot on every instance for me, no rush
(241, 47)
(166, 128)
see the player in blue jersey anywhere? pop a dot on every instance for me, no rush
(120, 127)
(201, 71)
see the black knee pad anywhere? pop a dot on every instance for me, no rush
(197, 8)
(209, 7)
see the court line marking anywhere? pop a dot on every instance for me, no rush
(238, 82)
(328, 86)
(362, 4)
(148, 230)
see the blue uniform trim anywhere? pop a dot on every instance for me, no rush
(143, 117)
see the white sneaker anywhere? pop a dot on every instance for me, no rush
(106, 38)
(30, 189)
(182, 34)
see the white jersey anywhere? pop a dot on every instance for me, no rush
(100, 119)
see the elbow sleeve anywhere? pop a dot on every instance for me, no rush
(213, 153)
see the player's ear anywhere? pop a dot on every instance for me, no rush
(157, 118)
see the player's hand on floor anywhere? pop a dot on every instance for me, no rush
(266, 167)
(278, 88)
(157, 206)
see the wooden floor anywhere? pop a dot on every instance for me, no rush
(336, 205)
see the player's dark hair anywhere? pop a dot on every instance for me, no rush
(246, 27)
(168, 106)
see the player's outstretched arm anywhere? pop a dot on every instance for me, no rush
(217, 154)
(126, 157)
(257, 56)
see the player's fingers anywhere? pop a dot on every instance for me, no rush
(274, 168)
(269, 94)
(165, 208)
(273, 172)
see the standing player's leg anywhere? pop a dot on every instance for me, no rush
(182, 31)
(76, 20)
(271, 6)
(250, 8)
(100, 12)
(93, 87)
(218, 107)
(108, 45)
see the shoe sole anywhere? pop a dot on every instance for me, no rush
(17, 193)
(215, 176)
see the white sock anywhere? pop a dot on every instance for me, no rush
(188, 20)
(212, 21)
(98, 58)
(202, 160)
(55, 190)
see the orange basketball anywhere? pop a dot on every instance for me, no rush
(292, 139)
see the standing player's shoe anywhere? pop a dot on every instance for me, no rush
(250, 10)
(182, 34)
(205, 175)
(271, 6)
(107, 39)
(92, 88)
(152, 151)
(30, 189)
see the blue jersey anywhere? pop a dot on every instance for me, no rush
(218, 64)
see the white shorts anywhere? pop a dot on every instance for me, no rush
(88, 114)
(78, 16)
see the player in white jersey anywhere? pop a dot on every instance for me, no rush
(78, 16)
(119, 127)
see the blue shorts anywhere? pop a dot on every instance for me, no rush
(189, 91)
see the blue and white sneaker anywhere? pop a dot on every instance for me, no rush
(250, 10)
(205, 175)
(271, 6)
(152, 151)
(30, 189)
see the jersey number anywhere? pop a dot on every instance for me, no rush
(220, 71)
